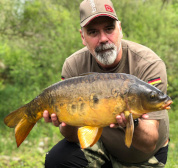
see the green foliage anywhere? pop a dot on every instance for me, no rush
(173, 145)
(35, 38)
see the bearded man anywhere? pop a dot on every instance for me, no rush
(107, 52)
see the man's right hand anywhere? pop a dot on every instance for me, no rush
(52, 119)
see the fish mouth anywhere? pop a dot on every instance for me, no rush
(167, 105)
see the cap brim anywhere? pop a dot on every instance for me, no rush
(89, 19)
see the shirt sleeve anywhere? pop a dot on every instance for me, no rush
(156, 72)
(66, 71)
(70, 68)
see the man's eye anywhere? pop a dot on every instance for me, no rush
(110, 29)
(92, 32)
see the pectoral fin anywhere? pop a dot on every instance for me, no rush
(129, 129)
(88, 136)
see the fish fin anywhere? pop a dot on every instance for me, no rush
(100, 130)
(14, 117)
(19, 120)
(88, 135)
(22, 130)
(129, 129)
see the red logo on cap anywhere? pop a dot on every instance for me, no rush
(109, 8)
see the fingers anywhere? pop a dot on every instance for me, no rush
(63, 124)
(55, 120)
(113, 126)
(121, 120)
(46, 116)
(145, 116)
(52, 119)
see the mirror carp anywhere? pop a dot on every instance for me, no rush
(90, 102)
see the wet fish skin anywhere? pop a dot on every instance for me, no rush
(92, 100)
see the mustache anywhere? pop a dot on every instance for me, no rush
(104, 47)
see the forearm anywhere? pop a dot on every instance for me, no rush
(70, 133)
(146, 135)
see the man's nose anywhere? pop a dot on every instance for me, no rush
(103, 37)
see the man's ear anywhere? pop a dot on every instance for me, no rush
(120, 29)
(82, 37)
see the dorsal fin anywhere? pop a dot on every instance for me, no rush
(88, 73)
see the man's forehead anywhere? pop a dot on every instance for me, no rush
(101, 20)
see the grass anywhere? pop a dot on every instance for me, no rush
(32, 151)
(173, 145)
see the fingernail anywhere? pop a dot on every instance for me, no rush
(118, 117)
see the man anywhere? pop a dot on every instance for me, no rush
(106, 52)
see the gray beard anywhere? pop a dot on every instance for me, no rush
(106, 57)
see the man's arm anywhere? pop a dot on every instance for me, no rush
(69, 132)
(145, 134)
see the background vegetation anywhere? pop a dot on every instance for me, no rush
(35, 38)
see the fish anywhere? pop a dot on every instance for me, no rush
(90, 102)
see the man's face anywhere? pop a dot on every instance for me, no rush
(103, 36)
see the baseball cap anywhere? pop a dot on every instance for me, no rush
(90, 9)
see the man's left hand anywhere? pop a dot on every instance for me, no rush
(121, 120)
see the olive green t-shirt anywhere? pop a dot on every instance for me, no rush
(139, 61)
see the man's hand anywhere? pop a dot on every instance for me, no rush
(52, 119)
(121, 120)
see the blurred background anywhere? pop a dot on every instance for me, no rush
(35, 38)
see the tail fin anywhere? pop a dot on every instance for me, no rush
(14, 117)
(19, 120)
(22, 130)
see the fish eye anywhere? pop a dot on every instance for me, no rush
(153, 95)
